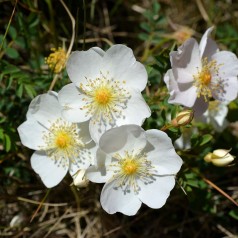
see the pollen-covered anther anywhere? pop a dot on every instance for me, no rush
(208, 85)
(57, 59)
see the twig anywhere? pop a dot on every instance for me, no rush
(220, 190)
(8, 25)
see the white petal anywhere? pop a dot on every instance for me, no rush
(72, 103)
(136, 111)
(115, 200)
(83, 64)
(31, 134)
(96, 129)
(161, 152)
(51, 173)
(207, 46)
(156, 193)
(187, 56)
(220, 114)
(45, 108)
(86, 157)
(135, 76)
(123, 138)
(98, 50)
(99, 173)
(84, 132)
(117, 60)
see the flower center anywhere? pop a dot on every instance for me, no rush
(207, 79)
(62, 140)
(129, 168)
(105, 98)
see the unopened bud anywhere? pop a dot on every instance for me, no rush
(219, 157)
(80, 180)
(183, 118)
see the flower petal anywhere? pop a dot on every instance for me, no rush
(187, 57)
(136, 111)
(72, 102)
(156, 193)
(200, 106)
(45, 108)
(160, 151)
(98, 172)
(82, 65)
(124, 138)
(50, 172)
(228, 71)
(180, 93)
(115, 200)
(135, 76)
(121, 64)
(207, 46)
(31, 134)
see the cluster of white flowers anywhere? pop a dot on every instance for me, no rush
(92, 128)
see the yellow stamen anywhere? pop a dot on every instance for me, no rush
(62, 140)
(129, 166)
(206, 84)
(103, 96)
(56, 60)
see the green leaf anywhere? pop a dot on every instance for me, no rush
(7, 142)
(19, 91)
(11, 53)
(30, 90)
(233, 214)
(9, 69)
(205, 139)
(12, 32)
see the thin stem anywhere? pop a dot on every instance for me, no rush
(8, 25)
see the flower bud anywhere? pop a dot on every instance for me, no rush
(183, 118)
(79, 179)
(219, 157)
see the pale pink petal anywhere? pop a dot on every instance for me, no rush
(207, 46)
(187, 57)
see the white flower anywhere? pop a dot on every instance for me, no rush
(215, 115)
(60, 145)
(200, 73)
(106, 89)
(137, 167)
